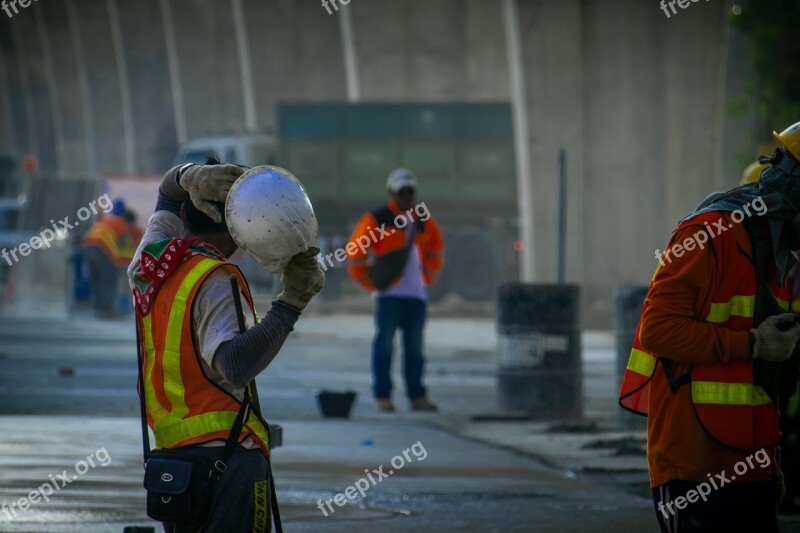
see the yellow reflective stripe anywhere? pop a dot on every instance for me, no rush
(171, 360)
(738, 305)
(203, 424)
(155, 409)
(728, 393)
(641, 362)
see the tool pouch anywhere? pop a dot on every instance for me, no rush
(178, 487)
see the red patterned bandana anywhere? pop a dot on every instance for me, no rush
(159, 260)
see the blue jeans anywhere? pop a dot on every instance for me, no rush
(408, 314)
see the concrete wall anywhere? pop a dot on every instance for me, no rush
(636, 99)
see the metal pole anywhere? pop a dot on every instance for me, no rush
(124, 86)
(27, 94)
(519, 106)
(245, 66)
(350, 56)
(178, 109)
(562, 215)
(52, 84)
(6, 107)
(83, 85)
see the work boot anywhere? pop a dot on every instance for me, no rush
(384, 405)
(423, 404)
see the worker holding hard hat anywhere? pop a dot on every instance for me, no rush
(196, 362)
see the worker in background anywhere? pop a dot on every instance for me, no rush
(403, 258)
(183, 299)
(108, 247)
(712, 362)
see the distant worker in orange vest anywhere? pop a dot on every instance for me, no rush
(714, 359)
(196, 364)
(396, 252)
(108, 247)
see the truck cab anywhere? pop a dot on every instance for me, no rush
(249, 151)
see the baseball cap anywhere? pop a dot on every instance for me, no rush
(401, 178)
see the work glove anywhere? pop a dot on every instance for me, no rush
(209, 183)
(776, 337)
(302, 279)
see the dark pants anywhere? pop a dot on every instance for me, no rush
(734, 507)
(240, 494)
(105, 277)
(392, 313)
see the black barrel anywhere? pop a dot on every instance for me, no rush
(629, 301)
(539, 368)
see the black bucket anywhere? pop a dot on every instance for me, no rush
(334, 404)
(539, 369)
(629, 301)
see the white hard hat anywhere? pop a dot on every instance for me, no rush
(400, 178)
(270, 216)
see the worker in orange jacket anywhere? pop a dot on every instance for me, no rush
(108, 247)
(714, 360)
(397, 253)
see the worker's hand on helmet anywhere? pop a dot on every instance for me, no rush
(302, 279)
(209, 183)
(776, 338)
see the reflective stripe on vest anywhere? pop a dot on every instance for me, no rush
(167, 407)
(728, 393)
(739, 306)
(641, 362)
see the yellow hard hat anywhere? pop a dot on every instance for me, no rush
(790, 139)
(752, 172)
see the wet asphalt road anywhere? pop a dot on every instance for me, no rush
(74, 381)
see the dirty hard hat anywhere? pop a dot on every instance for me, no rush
(400, 178)
(270, 216)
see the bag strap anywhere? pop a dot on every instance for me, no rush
(252, 389)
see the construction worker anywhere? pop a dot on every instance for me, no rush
(196, 364)
(108, 247)
(404, 255)
(712, 360)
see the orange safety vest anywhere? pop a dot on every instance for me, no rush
(427, 237)
(113, 235)
(729, 405)
(183, 406)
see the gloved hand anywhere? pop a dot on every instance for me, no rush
(209, 183)
(776, 337)
(302, 279)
